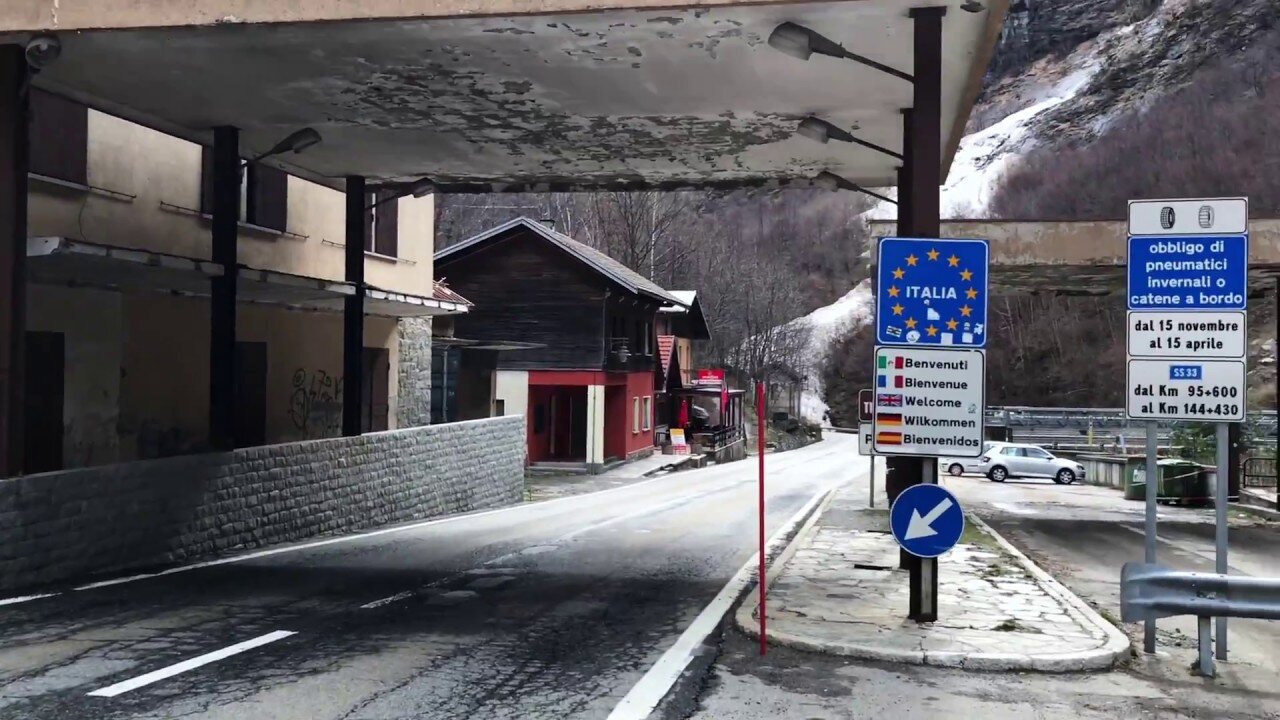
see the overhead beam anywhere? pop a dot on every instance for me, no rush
(632, 185)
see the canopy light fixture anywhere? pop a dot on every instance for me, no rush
(295, 143)
(800, 42)
(822, 131)
(41, 51)
(418, 188)
(832, 182)
(972, 6)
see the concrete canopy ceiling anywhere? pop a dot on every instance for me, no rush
(619, 98)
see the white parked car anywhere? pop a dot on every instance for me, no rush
(960, 466)
(1028, 461)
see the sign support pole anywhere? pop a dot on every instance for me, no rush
(1220, 535)
(1153, 430)
(871, 496)
(924, 571)
(760, 440)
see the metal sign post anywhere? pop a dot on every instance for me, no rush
(762, 585)
(1153, 435)
(1220, 534)
(1187, 295)
(927, 522)
(866, 408)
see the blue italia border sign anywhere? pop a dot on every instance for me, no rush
(932, 292)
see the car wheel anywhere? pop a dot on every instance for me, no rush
(998, 474)
(956, 469)
(1065, 477)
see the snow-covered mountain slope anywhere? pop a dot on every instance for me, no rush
(826, 324)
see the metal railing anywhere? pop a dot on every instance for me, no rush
(1259, 472)
(1149, 592)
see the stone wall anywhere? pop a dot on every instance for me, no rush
(414, 397)
(69, 525)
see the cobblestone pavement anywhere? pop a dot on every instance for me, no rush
(841, 593)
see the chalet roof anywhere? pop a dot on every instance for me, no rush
(629, 279)
(689, 308)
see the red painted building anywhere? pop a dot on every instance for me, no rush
(587, 385)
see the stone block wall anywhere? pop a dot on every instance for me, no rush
(70, 525)
(413, 400)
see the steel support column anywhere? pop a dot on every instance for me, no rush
(903, 471)
(926, 123)
(1235, 440)
(924, 175)
(222, 304)
(353, 310)
(13, 255)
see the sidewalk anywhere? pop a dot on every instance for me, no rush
(547, 487)
(839, 592)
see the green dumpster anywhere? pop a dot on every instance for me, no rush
(1180, 481)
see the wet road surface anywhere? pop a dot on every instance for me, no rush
(548, 610)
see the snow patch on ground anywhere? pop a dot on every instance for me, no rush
(827, 323)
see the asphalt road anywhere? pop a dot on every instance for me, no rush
(547, 610)
(1079, 534)
(1083, 535)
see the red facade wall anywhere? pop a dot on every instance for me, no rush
(639, 385)
(539, 437)
(617, 421)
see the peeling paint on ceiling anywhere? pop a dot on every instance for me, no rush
(640, 97)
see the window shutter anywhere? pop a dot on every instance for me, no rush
(59, 138)
(388, 229)
(369, 199)
(268, 198)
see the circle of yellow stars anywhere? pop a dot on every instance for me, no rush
(934, 256)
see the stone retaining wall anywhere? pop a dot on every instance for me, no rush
(73, 524)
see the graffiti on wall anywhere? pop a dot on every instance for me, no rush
(315, 403)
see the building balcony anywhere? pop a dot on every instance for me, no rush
(621, 358)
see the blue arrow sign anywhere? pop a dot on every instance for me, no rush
(1188, 272)
(932, 292)
(926, 520)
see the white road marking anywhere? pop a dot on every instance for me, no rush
(27, 598)
(387, 600)
(645, 695)
(193, 663)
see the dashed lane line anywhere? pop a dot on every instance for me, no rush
(195, 662)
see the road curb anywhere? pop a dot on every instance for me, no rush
(1256, 511)
(1116, 649)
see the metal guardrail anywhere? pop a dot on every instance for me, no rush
(1259, 472)
(1148, 592)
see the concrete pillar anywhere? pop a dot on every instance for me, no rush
(353, 309)
(222, 303)
(13, 254)
(595, 428)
